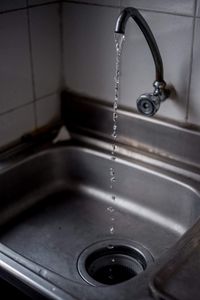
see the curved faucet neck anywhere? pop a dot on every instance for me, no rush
(142, 24)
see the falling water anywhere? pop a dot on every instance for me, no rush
(119, 38)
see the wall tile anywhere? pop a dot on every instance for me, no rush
(47, 109)
(45, 37)
(174, 37)
(100, 2)
(14, 4)
(194, 99)
(198, 8)
(16, 123)
(172, 6)
(89, 49)
(15, 72)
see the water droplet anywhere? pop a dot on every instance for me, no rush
(113, 179)
(112, 172)
(115, 116)
(114, 127)
(114, 134)
(43, 272)
(110, 247)
(110, 209)
(119, 38)
(116, 80)
(115, 105)
(112, 230)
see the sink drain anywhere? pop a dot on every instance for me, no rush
(112, 262)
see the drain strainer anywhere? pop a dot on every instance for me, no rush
(112, 261)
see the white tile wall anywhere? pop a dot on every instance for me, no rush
(11, 4)
(21, 56)
(89, 49)
(89, 58)
(194, 107)
(172, 6)
(16, 123)
(48, 109)
(15, 72)
(174, 36)
(45, 38)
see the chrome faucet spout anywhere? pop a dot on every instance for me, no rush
(148, 104)
(142, 24)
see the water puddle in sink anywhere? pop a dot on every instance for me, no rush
(119, 39)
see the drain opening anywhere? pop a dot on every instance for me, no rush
(111, 265)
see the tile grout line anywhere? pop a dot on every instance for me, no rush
(95, 4)
(65, 72)
(89, 3)
(43, 4)
(13, 10)
(46, 96)
(28, 6)
(191, 64)
(122, 6)
(15, 108)
(62, 77)
(162, 12)
(28, 103)
(31, 64)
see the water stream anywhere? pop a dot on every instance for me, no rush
(119, 39)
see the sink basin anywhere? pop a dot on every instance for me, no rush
(54, 211)
(62, 236)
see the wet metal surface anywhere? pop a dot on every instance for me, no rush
(54, 205)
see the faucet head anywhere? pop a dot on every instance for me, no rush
(122, 20)
(148, 104)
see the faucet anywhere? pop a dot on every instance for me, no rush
(148, 103)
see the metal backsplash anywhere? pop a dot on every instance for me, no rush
(93, 118)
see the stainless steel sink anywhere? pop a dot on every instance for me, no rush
(55, 239)
(54, 210)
